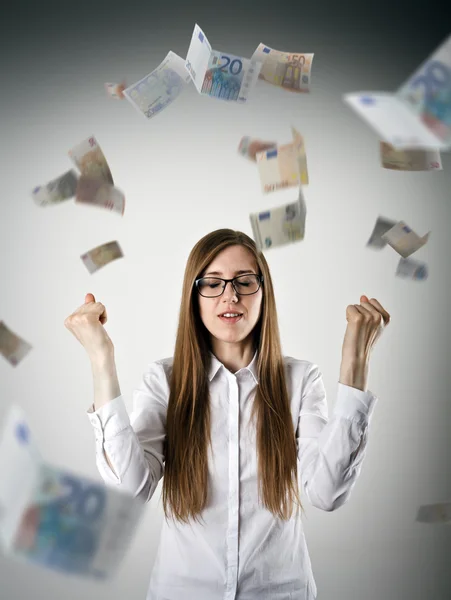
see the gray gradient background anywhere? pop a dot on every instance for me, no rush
(182, 178)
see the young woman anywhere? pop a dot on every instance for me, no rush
(234, 427)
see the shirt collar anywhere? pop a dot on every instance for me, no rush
(215, 365)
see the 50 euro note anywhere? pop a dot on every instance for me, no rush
(290, 71)
(154, 92)
(90, 160)
(98, 257)
(12, 346)
(281, 225)
(404, 240)
(97, 192)
(115, 90)
(56, 191)
(220, 74)
(55, 518)
(409, 159)
(283, 166)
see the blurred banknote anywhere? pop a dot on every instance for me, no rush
(382, 226)
(12, 347)
(100, 256)
(409, 160)
(55, 518)
(249, 147)
(281, 225)
(220, 74)
(151, 94)
(408, 268)
(115, 90)
(90, 160)
(56, 191)
(283, 166)
(284, 69)
(435, 513)
(419, 114)
(97, 192)
(402, 239)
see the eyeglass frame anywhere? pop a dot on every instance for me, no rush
(259, 277)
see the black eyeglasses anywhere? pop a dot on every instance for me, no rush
(244, 285)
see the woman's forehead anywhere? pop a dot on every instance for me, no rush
(234, 258)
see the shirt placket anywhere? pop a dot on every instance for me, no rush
(233, 510)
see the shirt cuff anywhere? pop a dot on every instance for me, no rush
(110, 419)
(354, 404)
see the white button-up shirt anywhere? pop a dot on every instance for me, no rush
(239, 550)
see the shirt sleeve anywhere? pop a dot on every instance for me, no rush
(331, 451)
(134, 444)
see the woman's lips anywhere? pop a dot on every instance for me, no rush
(230, 320)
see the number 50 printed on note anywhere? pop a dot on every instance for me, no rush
(219, 74)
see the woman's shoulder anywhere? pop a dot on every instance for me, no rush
(299, 367)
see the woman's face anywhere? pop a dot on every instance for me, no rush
(231, 262)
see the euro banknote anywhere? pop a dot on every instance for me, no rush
(403, 240)
(435, 513)
(157, 90)
(290, 71)
(418, 115)
(409, 160)
(428, 92)
(249, 147)
(58, 519)
(283, 166)
(220, 74)
(98, 257)
(56, 191)
(381, 226)
(115, 90)
(12, 346)
(90, 160)
(97, 192)
(281, 225)
(408, 268)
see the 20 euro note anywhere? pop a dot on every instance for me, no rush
(57, 519)
(281, 225)
(98, 257)
(56, 191)
(418, 115)
(404, 240)
(283, 166)
(220, 74)
(97, 192)
(408, 159)
(154, 92)
(90, 160)
(12, 346)
(290, 71)
(115, 90)
(408, 268)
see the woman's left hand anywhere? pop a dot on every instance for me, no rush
(366, 322)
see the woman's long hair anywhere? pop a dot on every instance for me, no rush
(185, 482)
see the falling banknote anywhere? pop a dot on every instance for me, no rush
(56, 191)
(283, 166)
(12, 347)
(249, 147)
(409, 160)
(382, 226)
(90, 160)
(402, 239)
(284, 69)
(435, 513)
(281, 225)
(57, 519)
(154, 92)
(97, 192)
(100, 256)
(408, 268)
(220, 74)
(115, 90)
(419, 114)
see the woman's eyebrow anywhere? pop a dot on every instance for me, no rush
(241, 272)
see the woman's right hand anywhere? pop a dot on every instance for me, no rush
(87, 325)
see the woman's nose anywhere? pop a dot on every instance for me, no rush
(229, 290)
